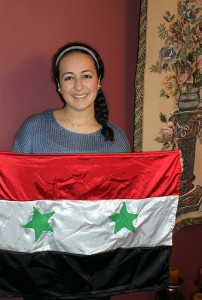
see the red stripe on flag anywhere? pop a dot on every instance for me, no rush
(25, 177)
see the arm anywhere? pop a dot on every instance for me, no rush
(121, 143)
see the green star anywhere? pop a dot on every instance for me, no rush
(39, 223)
(123, 219)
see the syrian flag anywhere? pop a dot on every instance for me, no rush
(89, 225)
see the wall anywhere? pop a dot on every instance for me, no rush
(31, 31)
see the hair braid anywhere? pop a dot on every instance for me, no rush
(101, 115)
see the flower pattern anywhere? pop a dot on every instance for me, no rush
(170, 85)
(181, 54)
(176, 36)
(167, 134)
(199, 64)
(197, 31)
(167, 54)
(185, 75)
(190, 16)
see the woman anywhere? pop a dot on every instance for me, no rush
(81, 125)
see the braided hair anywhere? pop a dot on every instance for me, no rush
(100, 104)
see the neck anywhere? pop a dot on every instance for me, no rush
(79, 116)
(79, 120)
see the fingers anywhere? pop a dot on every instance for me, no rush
(181, 160)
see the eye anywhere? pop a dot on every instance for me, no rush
(68, 78)
(87, 76)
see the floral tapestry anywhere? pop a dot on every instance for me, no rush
(168, 110)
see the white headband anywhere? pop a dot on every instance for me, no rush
(75, 48)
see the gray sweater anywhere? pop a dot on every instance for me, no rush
(42, 134)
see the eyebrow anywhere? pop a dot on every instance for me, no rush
(84, 71)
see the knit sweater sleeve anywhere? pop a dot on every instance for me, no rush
(23, 139)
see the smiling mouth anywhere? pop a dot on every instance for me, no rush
(80, 97)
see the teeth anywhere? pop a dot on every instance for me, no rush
(81, 96)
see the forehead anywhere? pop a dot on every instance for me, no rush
(77, 61)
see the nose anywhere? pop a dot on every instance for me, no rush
(78, 84)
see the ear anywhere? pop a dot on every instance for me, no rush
(59, 88)
(98, 83)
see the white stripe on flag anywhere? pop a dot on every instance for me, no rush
(84, 227)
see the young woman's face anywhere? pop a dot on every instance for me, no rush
(78, 81)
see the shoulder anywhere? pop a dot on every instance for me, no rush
(120, 138)
(38, 118)
(30, 127)
(35, 121)
(117, 130)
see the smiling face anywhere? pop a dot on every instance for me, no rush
(78, 81)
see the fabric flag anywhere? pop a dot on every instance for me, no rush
(89, 225)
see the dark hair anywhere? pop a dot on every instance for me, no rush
(100, 104)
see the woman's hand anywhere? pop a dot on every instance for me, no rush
(181, 160)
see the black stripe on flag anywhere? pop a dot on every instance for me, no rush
(50, 275)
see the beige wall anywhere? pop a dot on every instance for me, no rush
(153, 104)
